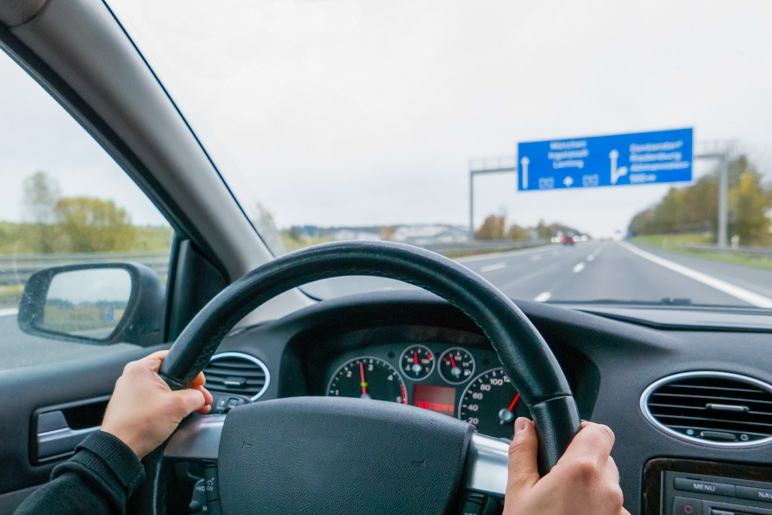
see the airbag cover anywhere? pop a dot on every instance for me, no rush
(331, 455)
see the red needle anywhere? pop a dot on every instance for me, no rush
(512, 406)
(452, 361)
(362, 376)
(415, 357)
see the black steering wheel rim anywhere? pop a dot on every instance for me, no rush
(524, 354)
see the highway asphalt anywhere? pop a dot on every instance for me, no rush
(587, 271)
(619, 271)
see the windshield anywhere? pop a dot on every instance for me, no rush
(566, 151)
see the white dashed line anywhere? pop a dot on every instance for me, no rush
(723, 286)
(537, 257)
(491, 268)
(8, 312)
(578, 268)
(543, 297)
(590, 257)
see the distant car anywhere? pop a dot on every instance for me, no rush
(568, 240)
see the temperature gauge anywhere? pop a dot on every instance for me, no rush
(456, 365)
(417, 362)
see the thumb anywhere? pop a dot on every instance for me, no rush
(187, 401)
(523, 469)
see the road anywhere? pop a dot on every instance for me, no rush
(587, 271)
(613, 270)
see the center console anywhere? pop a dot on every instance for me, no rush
(690, 487)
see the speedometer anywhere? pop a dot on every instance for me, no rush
(368, 378)
(491, 404)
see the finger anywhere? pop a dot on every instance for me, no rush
(199, 380)
(208, 398)
(154, 360)
(523, 469)
(189, 400)
(612, 472)
(593, 442)
(203, 410)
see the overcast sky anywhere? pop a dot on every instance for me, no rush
(342, 112)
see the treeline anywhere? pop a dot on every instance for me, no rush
(695, 208)
(495, 228)
(75, 224)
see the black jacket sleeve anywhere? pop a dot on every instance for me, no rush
(99, 478)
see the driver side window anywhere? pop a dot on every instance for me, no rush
(66, 208)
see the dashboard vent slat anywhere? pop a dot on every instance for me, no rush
(238, 373)
(713, 408)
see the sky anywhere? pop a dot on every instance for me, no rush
(341, 112)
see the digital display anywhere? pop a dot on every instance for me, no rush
(441, 399)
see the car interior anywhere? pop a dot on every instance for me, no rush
(686, 389)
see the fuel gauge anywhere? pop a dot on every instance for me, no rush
(417, 362)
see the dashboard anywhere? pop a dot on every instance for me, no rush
(397, 347)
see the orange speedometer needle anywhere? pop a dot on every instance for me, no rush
(512, 406)
(363, 383)
(452, 361)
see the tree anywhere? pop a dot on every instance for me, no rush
(93, 225)
(750, 202)
(518, 233)
(491, 229)
(41, 193)
(695, 208)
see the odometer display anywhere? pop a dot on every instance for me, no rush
(491, 404)
(368, 378)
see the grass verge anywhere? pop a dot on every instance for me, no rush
(677, 242)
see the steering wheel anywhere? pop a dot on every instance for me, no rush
(339, 455)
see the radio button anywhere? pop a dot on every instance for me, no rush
(686, 506)
(757, 494)
(703, 487)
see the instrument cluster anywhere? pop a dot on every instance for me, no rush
(461, 382)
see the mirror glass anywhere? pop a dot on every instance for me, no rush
(88, 303)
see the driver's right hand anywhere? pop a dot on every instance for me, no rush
(584, 481)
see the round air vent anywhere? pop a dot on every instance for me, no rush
(711, 408)
(236, 372)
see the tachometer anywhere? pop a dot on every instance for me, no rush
(368, 378)
(491, 404)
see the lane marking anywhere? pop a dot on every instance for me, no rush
(8, 312)
(495, 266)
(722, 286)
(537, 257)
(590, 257)
(543, 297)
(578, 268)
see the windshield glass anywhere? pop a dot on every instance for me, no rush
(568, 152)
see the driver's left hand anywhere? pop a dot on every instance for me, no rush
(143, 411)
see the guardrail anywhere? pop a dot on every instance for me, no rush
(16, 269)
(482, 246)
(740, 251)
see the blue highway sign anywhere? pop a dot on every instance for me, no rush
(618, 160)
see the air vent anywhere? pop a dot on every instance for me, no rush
(235, 372)
(713, 408)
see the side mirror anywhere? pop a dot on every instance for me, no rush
(100, 303)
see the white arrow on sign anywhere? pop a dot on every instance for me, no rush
(616, 173)
(568, 181)
(524, 161)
